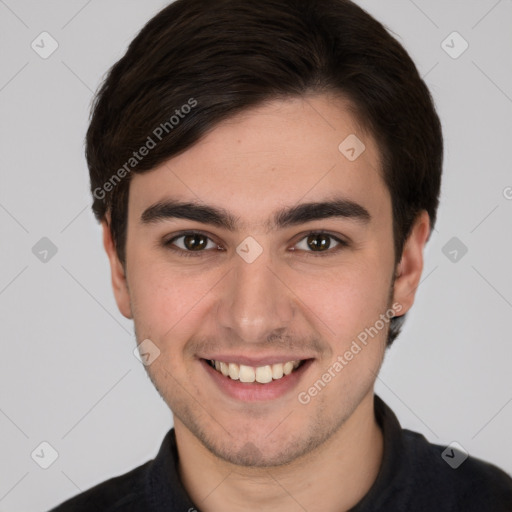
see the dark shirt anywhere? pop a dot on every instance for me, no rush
(413, 477)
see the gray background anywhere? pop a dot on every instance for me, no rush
(67, 372)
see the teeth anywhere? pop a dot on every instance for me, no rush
(261, 374)
(234, 371)
(264, 374)
(224, 368)
(277, 371)
(247, 373)
(288, 368)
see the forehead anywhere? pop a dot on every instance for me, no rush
(282, 153)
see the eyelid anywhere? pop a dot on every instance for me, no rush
(342, 243)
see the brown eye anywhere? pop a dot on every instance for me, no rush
(190, 244)
(321, 244)
(195, 242)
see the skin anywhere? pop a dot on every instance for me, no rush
(276, 454)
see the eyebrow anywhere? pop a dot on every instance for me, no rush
(285, 217)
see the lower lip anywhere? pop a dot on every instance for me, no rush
(254, 391)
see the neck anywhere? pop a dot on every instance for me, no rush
(333, 477)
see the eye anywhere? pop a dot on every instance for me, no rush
(192, 243)
(318, 243)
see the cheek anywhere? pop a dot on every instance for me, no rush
(164, 300)
(345, 300)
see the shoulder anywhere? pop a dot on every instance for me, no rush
(124, 492)
(454, 480)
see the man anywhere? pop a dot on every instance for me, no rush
(267, 176)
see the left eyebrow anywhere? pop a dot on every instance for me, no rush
(285, 217)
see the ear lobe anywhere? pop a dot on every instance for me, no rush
(408, 272)
(119, 283)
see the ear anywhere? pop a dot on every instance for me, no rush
(411, 264)
(119, 283)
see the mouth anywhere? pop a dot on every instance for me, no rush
(261, 374)
(251, 383)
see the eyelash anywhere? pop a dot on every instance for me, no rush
(181, 252)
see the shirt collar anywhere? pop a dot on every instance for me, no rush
(391, 469)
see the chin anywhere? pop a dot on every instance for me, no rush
(262, 447)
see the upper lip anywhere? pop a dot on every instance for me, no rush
(255, 361)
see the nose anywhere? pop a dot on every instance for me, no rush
(255, 303)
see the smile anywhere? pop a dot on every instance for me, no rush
(256, 379)
(262, 374)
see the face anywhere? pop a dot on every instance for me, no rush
(264, 277)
